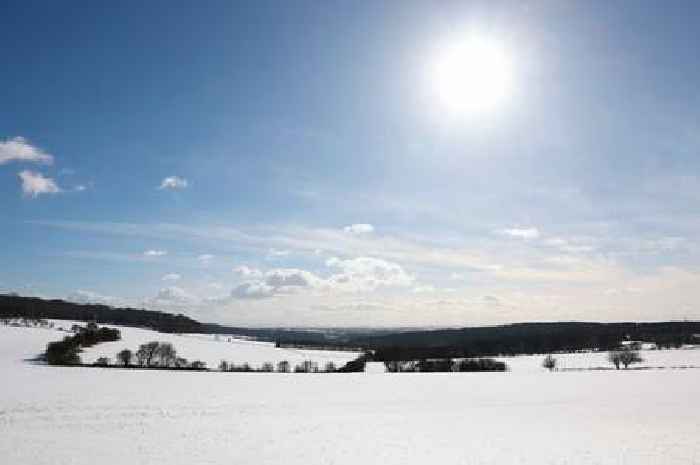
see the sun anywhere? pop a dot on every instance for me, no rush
(472, 76)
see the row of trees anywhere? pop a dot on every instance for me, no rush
(27, 322)
(66, 351)
(445, 365)
(284, 366)
(154, 354)
(624, 357)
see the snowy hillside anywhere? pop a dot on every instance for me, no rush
(212, 349)
(80, 416)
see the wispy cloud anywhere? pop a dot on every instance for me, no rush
(155, 253)
(359, 228)
(173, 183)
(35, 184)
(18, 149)
(171, 277)
(521, 233)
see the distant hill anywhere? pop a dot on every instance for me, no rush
(388, 344)
(526, 338)
(32, 307)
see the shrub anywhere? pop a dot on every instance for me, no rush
(549, 362)
(198, 365)
(124, 357)
(63, 352)
(102, 362)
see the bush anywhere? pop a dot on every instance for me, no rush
(625, 357)
(198, 365)
(549, 362)
(124, 357)
(481, 364)
(63, 352)
(283, 367)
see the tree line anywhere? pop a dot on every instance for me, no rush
(67, 351)
(444, 365)
(525, 338)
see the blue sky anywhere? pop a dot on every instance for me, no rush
(288, 163)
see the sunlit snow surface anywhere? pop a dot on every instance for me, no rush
(56, 416)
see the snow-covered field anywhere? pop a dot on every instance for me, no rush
(212, 349)
(52, 415)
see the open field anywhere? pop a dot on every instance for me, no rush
(52, 415)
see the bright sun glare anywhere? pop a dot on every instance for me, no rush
(472, 76)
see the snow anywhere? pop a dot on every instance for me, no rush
(651, 359)
(56, 415)
(212, 349)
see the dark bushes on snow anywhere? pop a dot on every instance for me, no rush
(66, 352)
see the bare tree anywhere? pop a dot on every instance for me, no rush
(267, 367)
(283, 366)
(166, 353)
(615, 357)
(629, 357)
(147, 353)
(198, 365)
(329, 367)
(549, 362)
(125, 356)
(223, 366)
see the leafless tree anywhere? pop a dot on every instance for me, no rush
(166, 353)
(267, 367)
(615, 357)
(198, 365)
(147, 353)
(125, 356)
(625, 357)
(329, 367)
(283, 366)
(549, 362)
(629, 357)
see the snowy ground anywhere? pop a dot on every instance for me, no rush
(52, 415)
(212, 349)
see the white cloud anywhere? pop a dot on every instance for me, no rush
(88, 297)
(173, 183)
(353, 275)
(278, 281)
(205, 258)
(172, 295)
(359, 228)
(424, 289)
(276, 253)
(253, 290)
(248, 272)
(19, 149)
(171, 277)
(155, 253)
(522, 233)
(367, 273)
(283, 278)
(34, 184)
